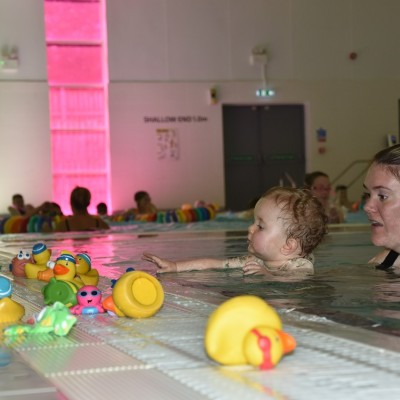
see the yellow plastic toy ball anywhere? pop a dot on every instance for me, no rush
(229, 324)
(138, 294)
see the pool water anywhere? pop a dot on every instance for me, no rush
(344, 288)
(163, 357)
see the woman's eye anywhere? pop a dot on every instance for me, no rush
(382, 197)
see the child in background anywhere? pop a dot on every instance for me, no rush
(320, 186)
(102, 210)
(288, 225)
(81, 220)
(18, 206)
(143, 206)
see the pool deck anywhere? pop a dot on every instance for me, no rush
(163, 357)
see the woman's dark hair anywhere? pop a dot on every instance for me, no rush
(390, 159)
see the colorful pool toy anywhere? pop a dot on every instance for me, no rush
(246, 330)
(84, 270)
(10, 310)
(52, 319)
(65, 267)
(136, 294)
(89, 301)
(17, 266)
(60, 291)
(41, 256)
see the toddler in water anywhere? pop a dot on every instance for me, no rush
(288, 225)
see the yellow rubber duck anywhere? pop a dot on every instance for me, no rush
(84, 271)
(246, 330)
(65, 268)
(136, 294)
(41, 255)
(10, 310)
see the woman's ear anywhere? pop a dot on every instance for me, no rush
(290, 247)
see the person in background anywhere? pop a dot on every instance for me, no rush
(320, 186)
(288, 225)
(382, 206)
(81, 220)
(342, 199)
(143, 206)
(18, 206)
(102, 210)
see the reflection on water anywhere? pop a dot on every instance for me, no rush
(345, 288)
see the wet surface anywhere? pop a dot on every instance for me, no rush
(344, 288)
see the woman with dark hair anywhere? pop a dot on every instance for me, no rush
(382, 193)
(81, 220)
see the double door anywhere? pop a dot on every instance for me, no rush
(263, 147)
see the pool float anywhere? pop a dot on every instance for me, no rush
(180, 215)
(15, 224)
(89, 301)
(10, 310)
(60, 291)
(41, 256)
(186, 215)
(136, 294)
(52, 319)
(246, 330)
(84, 270)
(17, 266)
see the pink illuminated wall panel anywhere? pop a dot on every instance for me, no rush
(86, 18)
(76, 108)
(78, 83)
(75, 64)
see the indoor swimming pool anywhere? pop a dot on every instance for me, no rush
(346, 321)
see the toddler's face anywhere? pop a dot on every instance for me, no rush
(267, 234)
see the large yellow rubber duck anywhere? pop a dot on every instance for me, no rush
(10, 310)
(41, 255)
(136, 294)
(246, 330)
(84, 271)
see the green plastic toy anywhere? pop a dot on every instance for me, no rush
(55, 319)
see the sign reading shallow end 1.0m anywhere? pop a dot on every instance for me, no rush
(174, 119)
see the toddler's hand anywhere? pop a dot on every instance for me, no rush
(253, 267)
(163, 265)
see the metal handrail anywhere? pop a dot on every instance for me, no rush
(351, 165)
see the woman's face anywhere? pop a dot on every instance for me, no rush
(382, 190)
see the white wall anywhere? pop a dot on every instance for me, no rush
(24, 111)
(163, 57)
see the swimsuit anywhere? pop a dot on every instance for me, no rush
(388, 261)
